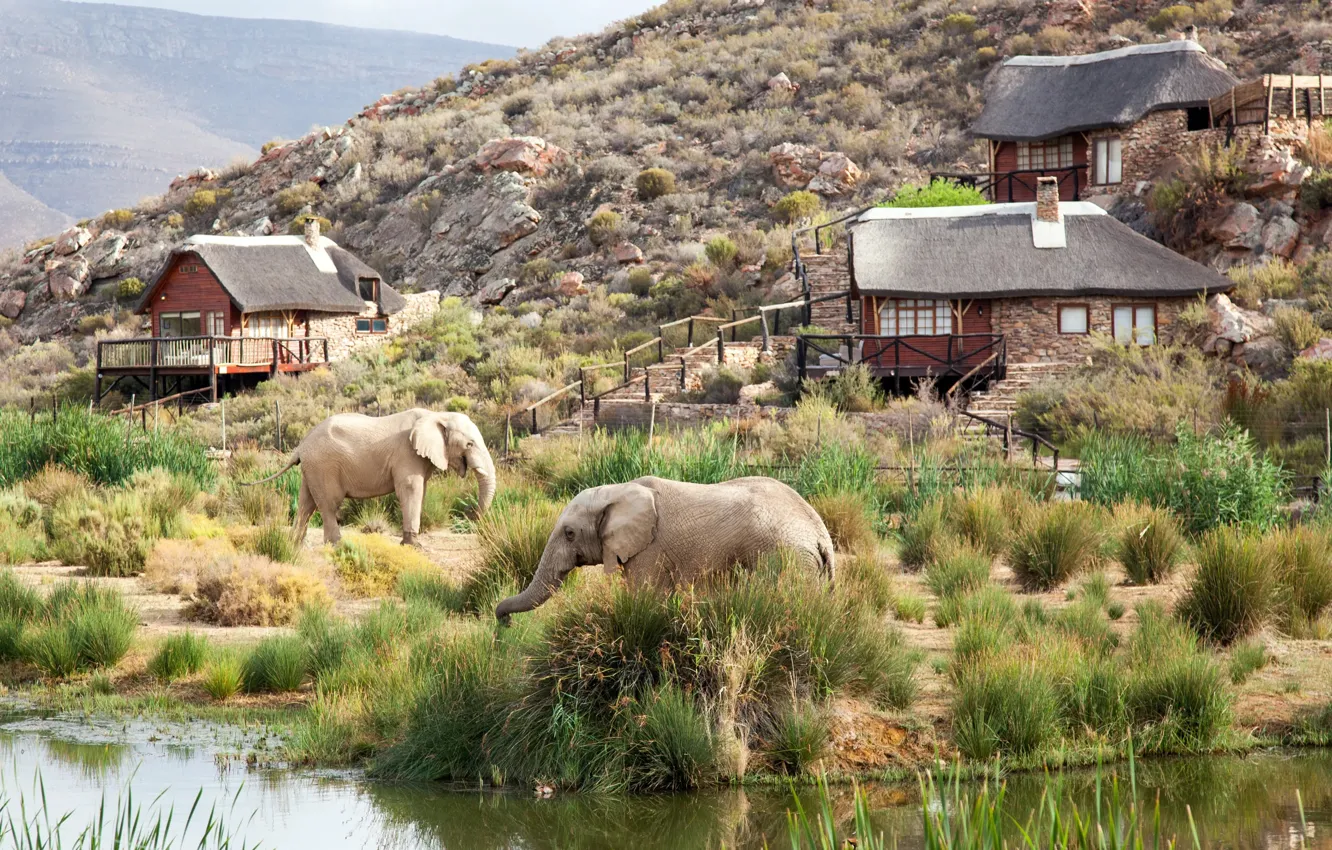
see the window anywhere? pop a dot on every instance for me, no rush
(179, 324)
(1073, 319)
(191, 268)
(368, 289)
(372, 326)
(1051, 153)
(1109, 161)
(266, 325)
(1135, 323)
(218, 324)
(1199, 118)
(915, 317)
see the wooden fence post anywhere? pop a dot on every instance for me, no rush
(277, 416)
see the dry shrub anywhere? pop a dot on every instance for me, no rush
(368, 565)
(251, 590)
(174, 565)
(53, 484)
(850, 521)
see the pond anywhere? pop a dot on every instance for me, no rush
(1244, 803)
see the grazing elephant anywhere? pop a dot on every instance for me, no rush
(367, 456)
(669, 533)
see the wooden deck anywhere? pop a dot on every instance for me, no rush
(1270, 96)
(963, 356)
(151, 362)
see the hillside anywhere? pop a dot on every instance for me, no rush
(515, 182)
(101, 105)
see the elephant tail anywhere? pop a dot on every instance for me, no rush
(295, 461)
(826, 559)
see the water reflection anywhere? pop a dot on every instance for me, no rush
(1239, 803)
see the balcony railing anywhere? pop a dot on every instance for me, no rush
(1020, 185)
(978, 356)
(211, 352)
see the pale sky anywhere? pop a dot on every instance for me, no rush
(520, 23)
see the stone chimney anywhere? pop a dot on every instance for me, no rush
(1047, 226)
(1191, 34)
(1047, 200)
(312, 232)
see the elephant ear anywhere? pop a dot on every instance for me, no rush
(628, 523)
(428, 437)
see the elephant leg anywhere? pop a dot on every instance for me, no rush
(411, 494)
(329, 511)
(304, 511)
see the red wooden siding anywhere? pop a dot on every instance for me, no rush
(975, 320)
(1005, 159)
(182, 291)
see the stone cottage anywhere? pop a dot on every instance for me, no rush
(960, 292)
(1100, 122)
(226, 307)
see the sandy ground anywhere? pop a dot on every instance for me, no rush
(161, 614)
(1296, 681)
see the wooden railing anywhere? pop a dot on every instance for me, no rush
(207, 352)
(1009, 435)
(961, 353)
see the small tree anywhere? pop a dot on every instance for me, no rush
(653, 183)
(721, 252)
(940, 193)
(130, 287)
(604, 227)
(294, 198)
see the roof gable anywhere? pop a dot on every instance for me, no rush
(261, 273)
(990, 252)
(1037, 97)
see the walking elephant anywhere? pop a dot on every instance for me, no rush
(669, 533)
(351, 455)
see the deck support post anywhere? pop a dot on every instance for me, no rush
(212, 374)
(152, 370)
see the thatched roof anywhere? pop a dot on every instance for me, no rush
(282, 273)
(989, 252)
(1037, 97)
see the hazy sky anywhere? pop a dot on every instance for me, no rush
(521, 23)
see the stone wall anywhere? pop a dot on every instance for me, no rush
(1147, 144)
(340, 328)
(1031, 325)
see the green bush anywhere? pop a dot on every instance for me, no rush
(983, 516)
(17, 600)
(988, 604)
(110, 537)
(1316, 191)
(1297, 328)
(1246, 659)
(179, 655)
(960, 570)
(513, 536)
(1056, 543)
(297, 226)
(799, 739)
(853, 390)
(117, 219)
(797, 206)
(1170, 18)
(294, 198)
(1151, 546)
(53, 649)
(130, 287)
(1182, 701)
(202, 202)
(275, 665)
(1302, 560)
(939, 193)
(604, 227)
(721, 252)
(1232, 592)
(653, 183)
(431, 588)
(924, 536)
(672, 747)
(274, 542)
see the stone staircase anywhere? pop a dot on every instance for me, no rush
(999, 401)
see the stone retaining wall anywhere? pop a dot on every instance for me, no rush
(827, 274)
(1147, 144)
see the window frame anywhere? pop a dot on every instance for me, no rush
(371, 323)
(1086, 313)
(1134, 307)
(1102, 159)
(374, 289)
(179, 316)
(915, 309)
(1059, 148)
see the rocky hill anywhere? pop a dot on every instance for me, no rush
(536, 178)
(101, 105)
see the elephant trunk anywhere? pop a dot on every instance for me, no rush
(484, 468)
(547, 579)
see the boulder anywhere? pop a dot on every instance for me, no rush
(508, 223)
(493, 217)
(12, 302)
(1266, 357)
(1277, 173)
(1280, 236)
(1321, 350)
(627, 253)
(521, 154)
(495, 292)
(260, 227)
(72, 241)
(781, 82)
(751, 393)
(571, 285)
(1234, 324)
(1239, 227)
(106, 254)
(530, 320)
(194, 178)
(803, 167)
(68, 278)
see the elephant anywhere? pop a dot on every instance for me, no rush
(349, 454)
(668, 533)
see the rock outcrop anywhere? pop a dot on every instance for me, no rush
(521, 154)
(12, 302)
(67, 278)
(803, 167)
